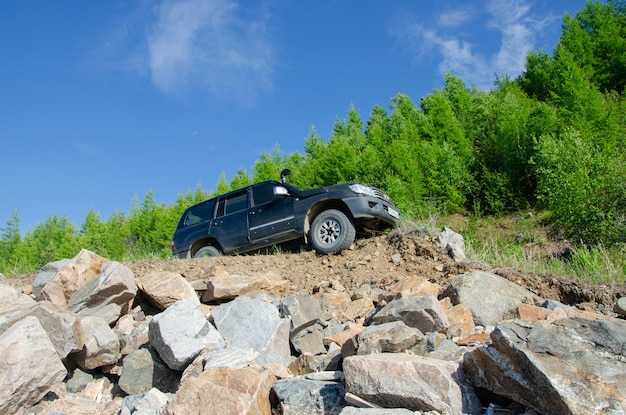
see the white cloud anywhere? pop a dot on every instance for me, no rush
(204, 43)
(461, 40)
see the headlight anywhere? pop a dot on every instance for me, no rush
(362, 190)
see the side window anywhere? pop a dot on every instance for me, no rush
(263, 193)
(200, 213)
(233, 204)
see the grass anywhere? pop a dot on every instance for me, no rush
(524, 241)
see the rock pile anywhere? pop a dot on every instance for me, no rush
(92, 338)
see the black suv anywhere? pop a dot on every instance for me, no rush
(271, 213)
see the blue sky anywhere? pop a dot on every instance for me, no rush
(102, 102)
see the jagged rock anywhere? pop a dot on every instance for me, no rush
(106, 295)
(309, 397)
(377, 295)
(461, 321)
(333, 304)
(164, 288)
(62, 327)
(398, 380)
(414, 287)
(358, 310)
(304, 310)
(46, 273)
(181, 332)
(31, 366)
(12, 302)
(351, 410)
(571, 366)
(134, 336)
(391, 337)
(226, 391)
(79, 380)
(423, 313)
(489, 297)
(620, 306)
(81, 269)
(309, 340)
(148, 403)
(227, 287)
(249, 323)
(453, 243)
(101, 347)
(143, 370)
(230, 357)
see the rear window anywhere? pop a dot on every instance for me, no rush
(200, 213)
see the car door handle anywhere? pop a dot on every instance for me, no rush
(218, 223)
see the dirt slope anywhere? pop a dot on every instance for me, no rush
(381, 261)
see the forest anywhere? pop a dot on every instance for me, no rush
(552, 139)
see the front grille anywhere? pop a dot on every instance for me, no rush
(382, 195)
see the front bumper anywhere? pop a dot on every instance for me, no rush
(372, 209)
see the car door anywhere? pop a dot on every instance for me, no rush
(230, 226)
(271, 217)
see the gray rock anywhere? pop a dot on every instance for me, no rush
(350, 410)
(309, 340)
(12, 302)
(417, 383)
(45, 275)
(229, 357)
(424, 313)
(63, 327)
(106, 295)
(31, 366)
(453, 243)
(79, 381)
(394, 337)
(490, 298)
(250, 323)
(620, 306)
(304, 310)
(182, 332)
(101, 347)
(148, 403)
(164, 288)
(309, 397)
(143, 370)
(571, 366)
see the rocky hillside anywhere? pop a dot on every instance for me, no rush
(402, 321)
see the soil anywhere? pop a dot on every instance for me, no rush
(379, 261)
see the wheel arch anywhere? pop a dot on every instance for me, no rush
(201, 243)
(322, 206)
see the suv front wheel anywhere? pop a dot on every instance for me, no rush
(331, 232)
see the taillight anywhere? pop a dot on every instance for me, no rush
(173, 246)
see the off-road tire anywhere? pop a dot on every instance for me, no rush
(207, 252)
(331, 232)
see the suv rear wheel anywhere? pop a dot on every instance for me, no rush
(207, 251)
(331, 232)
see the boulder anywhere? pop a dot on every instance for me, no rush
(417, 383)
(423, 313)
(12, 302)
(101, 348)
(489, 297)
(453, 243)
(224, 287)
(81, 269)
(107, 295)
(250, 323)
(394, 337)
(44, 275)
(571, 366)
(148, 403)
(182, 332)
(225, 391)
(63, 328)
(303, 310)
(143, 370)
(164, 288)
(31, 366)
(309, 397)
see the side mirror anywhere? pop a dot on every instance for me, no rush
(284, 174)
(280, 191)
